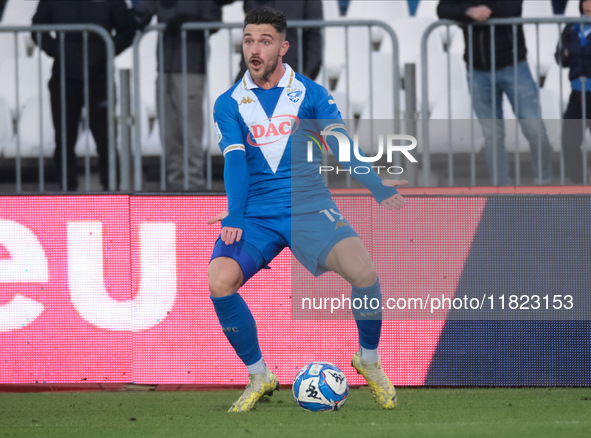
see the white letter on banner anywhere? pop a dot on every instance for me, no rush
(27, 264)
(157, 290)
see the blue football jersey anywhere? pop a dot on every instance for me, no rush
(264, 124)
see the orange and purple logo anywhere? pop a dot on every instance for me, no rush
(272, 130)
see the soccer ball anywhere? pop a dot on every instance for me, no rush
(320, 386)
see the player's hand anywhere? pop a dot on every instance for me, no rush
(396, 201)
(220, 217)
(229, 235)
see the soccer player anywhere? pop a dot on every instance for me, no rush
(270, 207)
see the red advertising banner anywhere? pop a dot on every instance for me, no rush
(113, 288)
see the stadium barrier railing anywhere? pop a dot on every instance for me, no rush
(30, 83)
(222, 69)
(450, 129)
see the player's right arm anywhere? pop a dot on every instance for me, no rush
(231, 142)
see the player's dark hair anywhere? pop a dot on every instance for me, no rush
(267, 15)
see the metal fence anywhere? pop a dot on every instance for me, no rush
(457, 132)
(221, 73)
(449, 137)
(349, 70)
(28, 82)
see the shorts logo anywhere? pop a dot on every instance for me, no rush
(295, 95)
(340, 224)
(246, 99)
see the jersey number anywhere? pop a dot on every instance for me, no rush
(331, 213)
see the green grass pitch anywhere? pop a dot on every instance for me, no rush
(422, 412)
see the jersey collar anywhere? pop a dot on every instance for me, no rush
(285, 81)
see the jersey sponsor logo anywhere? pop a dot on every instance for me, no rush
(218, 133)
(247, 99)
(272, 130)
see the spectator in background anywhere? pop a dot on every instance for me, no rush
(575, 54)
(559, 6)
(113, 16)
(524, 97)
(174, 13)
(311, 38)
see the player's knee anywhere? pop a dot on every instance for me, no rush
(366, 276)
(224, 278)
(222, 286)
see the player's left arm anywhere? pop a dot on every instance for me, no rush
(329, 117)
(384, 191)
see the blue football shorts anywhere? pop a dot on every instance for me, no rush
(310, 236)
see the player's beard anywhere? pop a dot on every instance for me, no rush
(266, 73)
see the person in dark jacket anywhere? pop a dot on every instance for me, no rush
(524, 98)
(574, 52)
(112, 15)
(174, 13)
(311, 37)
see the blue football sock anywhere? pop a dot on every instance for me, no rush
(239, 327)
(367, 310)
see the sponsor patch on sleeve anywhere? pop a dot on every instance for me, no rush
(218, 133)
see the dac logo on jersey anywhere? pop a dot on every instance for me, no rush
(272, 130)
(295, 95)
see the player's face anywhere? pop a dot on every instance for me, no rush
(587, 8)
(263, 48)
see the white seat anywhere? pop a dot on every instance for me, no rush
(378, 10)
(85, 145)
(152, 146)
(222, 69)
(330, 10)
(462, 127)
(409, 33)
(6, 129)
(353, 82)
(548, 39)
(234, 13)
(35, 129)
(382, 105)
(148, 71)
(457, 45)
(548, 35)
(31, 79)
(427, 9)
(334, 42)
(17, 13)
(553, 84)
(572, 9)
(538, 9)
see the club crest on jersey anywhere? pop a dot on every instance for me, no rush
(272, 130)
(295, 95)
